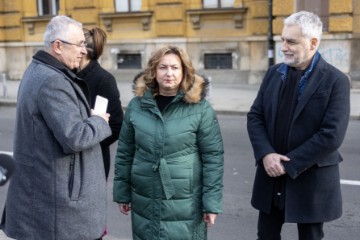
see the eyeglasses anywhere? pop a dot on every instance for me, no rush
(80, 45)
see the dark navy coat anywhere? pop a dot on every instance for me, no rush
(316, 132)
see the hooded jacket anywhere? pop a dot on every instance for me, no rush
(169, 165)
(58, 191)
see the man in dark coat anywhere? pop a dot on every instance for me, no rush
(296, 125)
(58, 190)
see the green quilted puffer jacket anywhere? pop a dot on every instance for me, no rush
(169, 165)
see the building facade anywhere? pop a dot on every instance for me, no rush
(227, 40)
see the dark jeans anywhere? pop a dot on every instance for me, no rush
(269, 227)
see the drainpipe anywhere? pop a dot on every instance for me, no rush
(270, 36)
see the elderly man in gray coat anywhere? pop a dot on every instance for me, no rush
(58, 190)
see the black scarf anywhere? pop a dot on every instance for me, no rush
(286, 107)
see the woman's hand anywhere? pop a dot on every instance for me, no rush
(209, 218)
(124, 208)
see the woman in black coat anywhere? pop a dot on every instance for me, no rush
(102, 83)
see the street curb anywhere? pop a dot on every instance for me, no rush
(12, 103)
(7, 102)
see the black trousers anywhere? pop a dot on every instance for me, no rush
(269, 227)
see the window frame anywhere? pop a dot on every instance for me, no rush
(129, 6)
(218, 5)
(208, 56)
(53, 7)
(126, 56)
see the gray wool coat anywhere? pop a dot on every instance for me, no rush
(58, 190)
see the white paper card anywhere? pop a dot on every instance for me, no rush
(101, 104)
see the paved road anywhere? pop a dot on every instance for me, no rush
(238, 222)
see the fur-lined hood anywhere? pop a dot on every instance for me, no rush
(197, 91)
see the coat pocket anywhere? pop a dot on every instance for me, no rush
(320, 95)
(74, 177)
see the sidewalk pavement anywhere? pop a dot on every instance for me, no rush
(225, 98)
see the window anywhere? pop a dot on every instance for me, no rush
(218, 3)
(218, 61)
(319, 7)
(128, 5)
(48, 7)
(129, 61)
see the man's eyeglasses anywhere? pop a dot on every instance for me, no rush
(81, 45)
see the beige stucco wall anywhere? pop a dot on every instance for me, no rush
(171, 23)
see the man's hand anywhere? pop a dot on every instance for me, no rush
(105, 116)
(273, 166)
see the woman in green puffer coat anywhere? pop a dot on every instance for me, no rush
(169, 161)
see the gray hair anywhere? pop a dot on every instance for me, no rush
(57, 28)
(309, 23)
